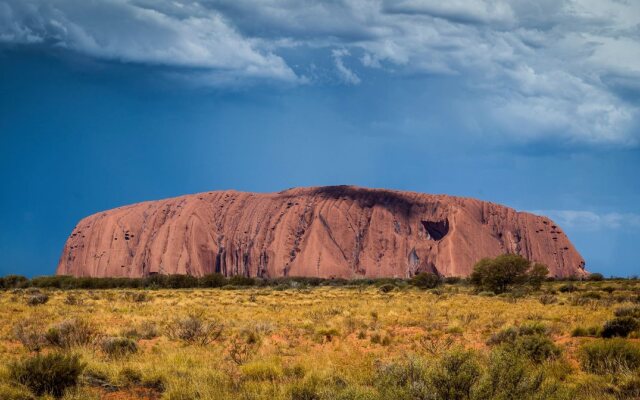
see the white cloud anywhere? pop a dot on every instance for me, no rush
(564, 70)
(171, 34)
(591, 221)
(345, 73)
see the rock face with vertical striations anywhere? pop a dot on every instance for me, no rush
(336, 231)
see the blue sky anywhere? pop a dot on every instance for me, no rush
(110, 102)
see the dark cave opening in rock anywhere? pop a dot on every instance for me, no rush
(436, 229)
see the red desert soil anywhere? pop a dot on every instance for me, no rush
(328, 232)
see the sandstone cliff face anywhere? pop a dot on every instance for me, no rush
(338, 231)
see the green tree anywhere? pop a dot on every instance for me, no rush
(503, 272)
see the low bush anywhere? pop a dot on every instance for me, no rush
(610, 356)
(47, 374)
(591, 295)
(116, 347)
(547, 299)
(407, 379)
(619, 326)
(530, 341)
(195, 329)
(568, 288)
(240, 280)
(596, 276)
(72, 332)
(37, 299)
(386, 288)
(509, 376)
(425, 280)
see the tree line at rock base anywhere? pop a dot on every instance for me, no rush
(497, 275)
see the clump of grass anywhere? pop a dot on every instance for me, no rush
(116, 347)
(591, 331)
(261, 371)
(145, 330)
(610, 356)
(326, 334)
(130, 376)
(195, 329)
(47, 374)
(72, 332)
(10, 392)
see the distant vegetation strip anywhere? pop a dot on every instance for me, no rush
(424, 280)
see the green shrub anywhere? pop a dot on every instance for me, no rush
(592, 331)
(47, 374)
(425, 280)
(537, 348)
(239, 280)
(72, 332)
(610, 356)
(118, 346)
(407, 379)
(455, 375)
(195, 329)
(619, 326)
(530, 341)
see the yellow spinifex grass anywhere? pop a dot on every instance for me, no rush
(279, 344)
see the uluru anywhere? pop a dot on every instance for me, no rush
(327, 232)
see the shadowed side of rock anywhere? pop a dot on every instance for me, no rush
(337, 231)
